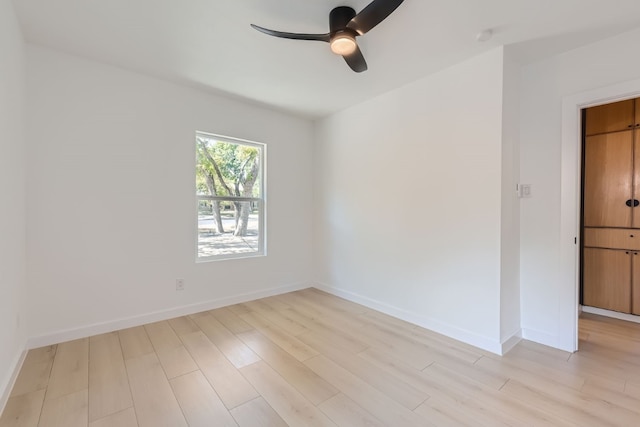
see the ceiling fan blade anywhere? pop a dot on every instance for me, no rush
(372, 15)
(295, 36)
(356, 61)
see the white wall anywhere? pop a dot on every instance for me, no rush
(111, 206)
(408, 201)
(510, 231)
(547, 274)
(12, 197)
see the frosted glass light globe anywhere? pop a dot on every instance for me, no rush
(344, 44)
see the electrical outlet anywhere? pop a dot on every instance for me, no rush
(179, 284)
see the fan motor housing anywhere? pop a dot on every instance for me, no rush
(340, 17)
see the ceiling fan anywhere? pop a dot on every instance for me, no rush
(345, 25)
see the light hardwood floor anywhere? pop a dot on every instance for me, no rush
(310, 359)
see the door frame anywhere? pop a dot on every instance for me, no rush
(570, 194)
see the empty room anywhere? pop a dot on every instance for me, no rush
(322, 213)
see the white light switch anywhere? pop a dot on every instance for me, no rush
(524, 191)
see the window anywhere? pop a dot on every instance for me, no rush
(230, 197)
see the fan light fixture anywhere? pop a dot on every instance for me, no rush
(343, 44)
(344, 26)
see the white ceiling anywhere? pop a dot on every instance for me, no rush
(209, 43)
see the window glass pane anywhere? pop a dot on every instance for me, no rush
(217, 235)
(227, 169)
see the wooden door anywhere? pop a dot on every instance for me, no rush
(635, 284)
(607, 279)
(636, 179)
(608, 172)
(610, 117)
(637, 121)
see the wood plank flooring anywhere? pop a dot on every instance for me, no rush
(311, 359)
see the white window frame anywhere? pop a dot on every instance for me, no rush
(261, 201)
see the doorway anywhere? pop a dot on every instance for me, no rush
(571, 190)
(610, 249)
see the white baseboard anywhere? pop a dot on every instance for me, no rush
(5, 389)
(512, 341)
(417, 319)
(156, 316)
(544, 338)
(609, 313)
